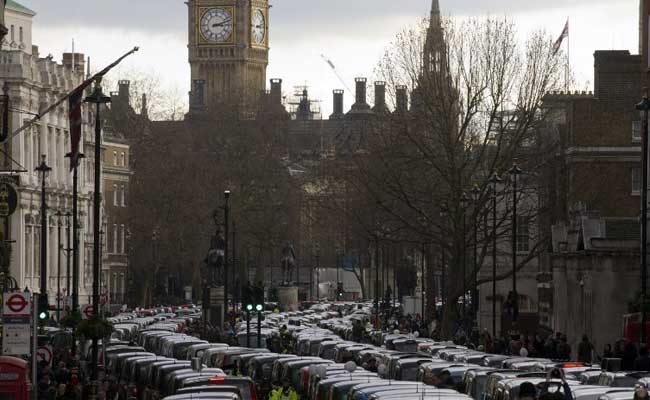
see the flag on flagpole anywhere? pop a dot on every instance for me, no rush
(564, 35)
(75, 99)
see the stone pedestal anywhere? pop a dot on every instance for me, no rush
(288, 298)
(216, 306)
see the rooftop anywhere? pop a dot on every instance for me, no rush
(15, 6)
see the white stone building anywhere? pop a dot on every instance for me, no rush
(36, 82)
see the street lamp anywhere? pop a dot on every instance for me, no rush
(317, 271)
(226, 216)
(443, 267)
(494, 182)
(514, 172)
(98, 98)
(476, 196)
(59, 221)
(464, 203)
(644, 106)
(44, 169)
(68, 249)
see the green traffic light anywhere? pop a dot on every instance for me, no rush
(259, 307)
(249, 307)
(42, 315)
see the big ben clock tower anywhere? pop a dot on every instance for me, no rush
(228, 50)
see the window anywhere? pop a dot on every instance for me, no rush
(636, 180)
(122, 245)
(115, 234)
(123, 159)
(523, 234)
(115, 158)
(13, 37)
(636, 130)
(115, 195)
(123, 192)
(20, 34)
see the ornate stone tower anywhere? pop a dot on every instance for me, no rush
(228, 51)
(435, 51)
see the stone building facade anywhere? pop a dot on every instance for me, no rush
(34, 83)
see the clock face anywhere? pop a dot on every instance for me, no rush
(258, 26)
(216, 25)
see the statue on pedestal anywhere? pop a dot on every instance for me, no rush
(214, 260)
(288, 262)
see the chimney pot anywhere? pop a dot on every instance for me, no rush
(401, 99)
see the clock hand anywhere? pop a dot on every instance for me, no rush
(220, 23)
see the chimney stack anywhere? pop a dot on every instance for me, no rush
(123, 90)
(360, 96)
(361, 90)
(380, 96)
(401, 99)
(76, 60)
(276, 91)
(338, 104)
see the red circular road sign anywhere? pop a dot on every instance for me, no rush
(88, 311)
(17, 303)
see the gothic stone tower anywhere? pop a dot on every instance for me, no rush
(228, 51)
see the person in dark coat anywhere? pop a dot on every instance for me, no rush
(629, 355)
(585, 349)
(642, 362)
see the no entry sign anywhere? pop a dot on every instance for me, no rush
(16, 304)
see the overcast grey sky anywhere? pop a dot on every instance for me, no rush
(352, 33)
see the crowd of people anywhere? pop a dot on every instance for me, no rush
(62, 381)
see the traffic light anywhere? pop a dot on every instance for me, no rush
(43, 308)
(258, 298)
(247, 297)
(339, 290)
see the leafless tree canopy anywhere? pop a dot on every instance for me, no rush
(476, 108)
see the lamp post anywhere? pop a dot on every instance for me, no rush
(44, 169)
(377, 278)
(317, 271)
(226, 216)
(494, 181)
(67, 251)
(58, 275)
(98, 98)
(514, 172)
(464, 203)
(443, 280)
(644, 106)
(476, 196)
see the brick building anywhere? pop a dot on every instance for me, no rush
(593, 193)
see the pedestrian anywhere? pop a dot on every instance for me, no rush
(585, 349)
(629, 356)
(642, 362)
(641, 393)
(607, 352)
(527, 391)
(563, 349)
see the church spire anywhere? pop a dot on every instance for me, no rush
(434, 46)
(435, 9)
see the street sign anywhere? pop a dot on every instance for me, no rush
(44, 353)
(16, 339)
(87, 311)
(16, 304)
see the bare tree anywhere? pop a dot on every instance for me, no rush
(476, 108)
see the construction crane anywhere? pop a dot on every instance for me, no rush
(331, 65)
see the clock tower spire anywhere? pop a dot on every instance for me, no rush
(228, 50)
